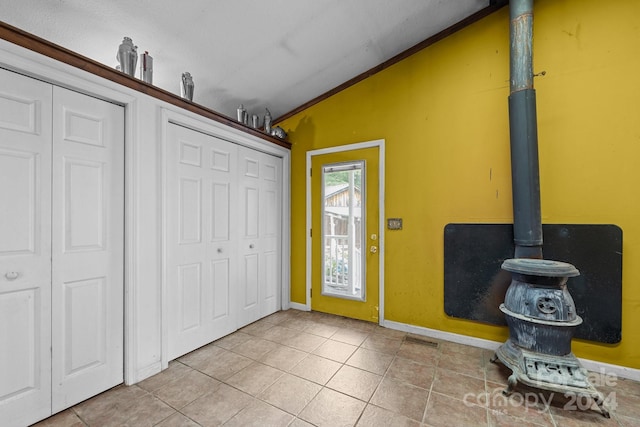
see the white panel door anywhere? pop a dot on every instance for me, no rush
(270, 234)
(201, 238)
(25, 249)
(260, 216)
(87, 247)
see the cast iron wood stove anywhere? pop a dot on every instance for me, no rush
(538, 307)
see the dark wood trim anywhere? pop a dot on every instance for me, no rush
(59, 53)
(494, 5)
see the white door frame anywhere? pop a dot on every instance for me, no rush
(378, 143)
(175, 116)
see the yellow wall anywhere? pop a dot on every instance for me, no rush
(443, 114)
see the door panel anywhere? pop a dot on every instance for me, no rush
(260, 215)
(25, 249)
(201, 246)
(87, 247)
(344, 306)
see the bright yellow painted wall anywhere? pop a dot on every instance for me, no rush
(443, 114)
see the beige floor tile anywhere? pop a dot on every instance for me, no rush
(350, 336)
(111, 406)
(320, 329)
(260, 414)
(316, 369)
(174, 371)
(470, 364)
(230, 341)
(454, 349)
(389, 333)
(147, 411)
(628, 422)
(255, 348)
(300, 423)
(290, 393)
(401, 398)
(280, 334)
(459, 386)
(577, 418)
(526, 405)
(283, 315)
(418, 352)
(177, 420)
(412, 372)
(199, 359)
(217, 407)
(283, 357)
(305, 342)
(382, 344)
(297, 323)
(445, 411)
(225, 365)
(370, 360)
(66, 418)
(330, 408)
(184, 390)
(257, 329)
(374, 416)
(255, 378)
(355, 382)
(501, 419)
(335, 350)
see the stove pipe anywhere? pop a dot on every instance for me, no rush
(525, 177)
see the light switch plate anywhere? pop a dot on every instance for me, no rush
(394, 223)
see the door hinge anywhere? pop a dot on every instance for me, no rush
(310, 171)
(311, 293)
(311, 232)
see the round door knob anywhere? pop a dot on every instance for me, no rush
(373, 249)
(219, 250)
(12, 275)
(251, 246)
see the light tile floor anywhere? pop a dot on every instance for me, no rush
(299, 369)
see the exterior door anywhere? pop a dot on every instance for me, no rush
(25, 249)
(87, 247)
(260, 235)
(344, 235)
(202, 243)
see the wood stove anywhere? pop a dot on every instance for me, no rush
(538, 307)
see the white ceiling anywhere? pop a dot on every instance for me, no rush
(277, 54)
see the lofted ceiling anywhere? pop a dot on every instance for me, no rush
(277, 54)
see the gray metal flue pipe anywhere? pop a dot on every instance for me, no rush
(525, 175)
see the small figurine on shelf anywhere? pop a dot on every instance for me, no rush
(146, 67)
(278, 132)
(242, 113)
(127, 56)
(186, 86)
(267, 122)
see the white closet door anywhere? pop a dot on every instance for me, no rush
(87, 247)
(201, 239)
(260, 215)
(270, 235)
(25, 249)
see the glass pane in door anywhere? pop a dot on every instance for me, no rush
(343, 230)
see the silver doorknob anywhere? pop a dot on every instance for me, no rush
(12, 275)
(251, 246)
(373, 249)
(219, 250)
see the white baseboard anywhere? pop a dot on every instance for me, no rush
(298, 306)
(591, 365)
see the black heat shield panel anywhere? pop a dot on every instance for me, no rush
(475, 285)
